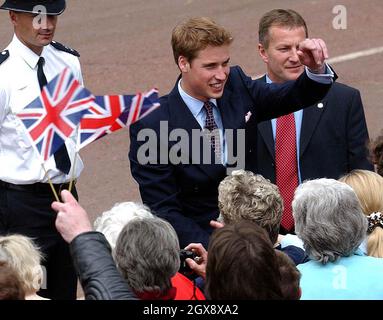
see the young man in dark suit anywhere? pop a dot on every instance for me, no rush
(331, 135)
(177, 179)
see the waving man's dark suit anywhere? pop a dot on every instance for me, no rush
(333, 137)
(186, 194)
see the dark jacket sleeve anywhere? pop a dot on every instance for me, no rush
(96, 269)
(272, 100)
(357, 135)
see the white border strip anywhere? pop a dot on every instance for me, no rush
(355, 55)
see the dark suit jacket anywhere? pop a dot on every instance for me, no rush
(332, 138)
(187, 194)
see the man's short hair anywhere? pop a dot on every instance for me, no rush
(247, 196)
(281, 18)
(195, 34)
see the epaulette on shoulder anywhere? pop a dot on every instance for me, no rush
(61, 47)
(4, 56)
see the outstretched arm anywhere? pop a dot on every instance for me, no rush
(90, 252)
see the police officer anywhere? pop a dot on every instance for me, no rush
(30, 61)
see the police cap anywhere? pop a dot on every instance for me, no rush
(51, 7)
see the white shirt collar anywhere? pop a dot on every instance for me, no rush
(193, 104)
(27, 54)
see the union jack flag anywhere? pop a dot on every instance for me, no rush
(51, 118)
(107, 114)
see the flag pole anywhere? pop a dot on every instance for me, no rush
(75, 160)
(51, 184)
(73, 172)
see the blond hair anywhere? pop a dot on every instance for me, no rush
(24, 257)
(195, 34)
(247, 196)
(368, 186)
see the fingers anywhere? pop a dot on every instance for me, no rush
(198, 268)
(312, 53)
(216, 225)
(311, 46)
(192, 264)
(66, 196)
(198, 248)
(323, 46)
(320, 56)
(57, 206)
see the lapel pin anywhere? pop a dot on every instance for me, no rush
(320, 105)
(247, 116)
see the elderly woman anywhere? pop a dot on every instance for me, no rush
(331, 224)
(146, 251)
(244, 195)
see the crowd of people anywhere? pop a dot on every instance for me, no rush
(297, 214)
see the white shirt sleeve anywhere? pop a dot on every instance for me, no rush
(79, 76)
(324, 78)
(3, 105)
(291, 240)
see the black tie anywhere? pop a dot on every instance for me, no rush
(61, 155)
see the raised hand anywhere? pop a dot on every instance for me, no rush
(200, 266)
(312, 53)
(71, 219)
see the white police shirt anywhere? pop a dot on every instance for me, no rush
(19, 161)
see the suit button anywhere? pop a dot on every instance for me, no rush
(196, 189)
(250, 151)
(272, 164)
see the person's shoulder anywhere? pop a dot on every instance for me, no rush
(161, 113)
(4, 55)
(152, 120)
(343, 88)
(236, 70)
(63, 48)
(7, 67)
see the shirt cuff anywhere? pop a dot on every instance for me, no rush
(291, 240)
(325, 78)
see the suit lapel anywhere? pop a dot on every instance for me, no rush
(310, 121)
(227, 108)
(180, 117)
(266, 133)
